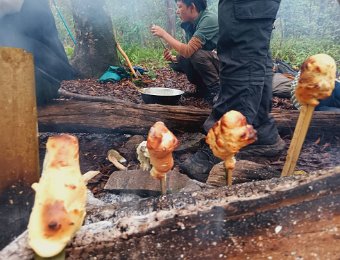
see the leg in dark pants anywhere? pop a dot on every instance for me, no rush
(246, 68)
(245, 76)
(201, 70)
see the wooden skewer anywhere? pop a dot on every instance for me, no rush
(298, 139)
(229, 177)
(163, 185)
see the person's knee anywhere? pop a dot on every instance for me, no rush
(198, 57)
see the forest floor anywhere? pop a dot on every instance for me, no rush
(318, 152)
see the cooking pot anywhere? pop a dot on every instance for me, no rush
(163, 96)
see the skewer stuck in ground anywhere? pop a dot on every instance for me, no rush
(228, 136)
(161, 143)
(316, 82)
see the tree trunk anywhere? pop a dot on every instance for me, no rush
(96, 47)
(170, 17)
(83, 116)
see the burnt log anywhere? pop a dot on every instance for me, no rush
(295, 217)
(102, 117)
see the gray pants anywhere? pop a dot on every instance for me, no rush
(201, 69)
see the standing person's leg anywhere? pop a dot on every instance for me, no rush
(264, 123)
(245, 31)
(243, 52)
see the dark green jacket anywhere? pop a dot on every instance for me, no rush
(205, 27)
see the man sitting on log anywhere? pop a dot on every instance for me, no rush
(197, 58)
(30, 25)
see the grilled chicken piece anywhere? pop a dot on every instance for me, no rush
(317, 79)
(161, 143)
(59, 207)
(228, 136)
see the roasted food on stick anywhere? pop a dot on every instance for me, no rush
(228, 136)
(59, 207)
(316, 81)
(161, 143)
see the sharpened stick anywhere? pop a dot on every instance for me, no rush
(298, 139)
(229, 177)
(163, 185)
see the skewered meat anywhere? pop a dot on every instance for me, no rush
(59, 207)
(161, 143)
(229, 135)
(317, 79)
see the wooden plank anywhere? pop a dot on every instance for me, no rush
(103, 117)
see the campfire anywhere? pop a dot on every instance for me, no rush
(132, 215)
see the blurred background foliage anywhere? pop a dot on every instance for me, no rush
(302, 28)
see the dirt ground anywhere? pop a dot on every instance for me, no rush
(319, 152)
(165, 78)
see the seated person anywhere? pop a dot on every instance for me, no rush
(331, 103)
(30, 25)
(197, 58)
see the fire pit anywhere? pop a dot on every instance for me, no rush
(295, 216)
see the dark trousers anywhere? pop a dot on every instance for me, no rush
(246, 65)
(201, 69)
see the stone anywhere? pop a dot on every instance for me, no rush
(139, 180)
(245, 171)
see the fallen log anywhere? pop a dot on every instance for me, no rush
(102, 117)
(294, 216)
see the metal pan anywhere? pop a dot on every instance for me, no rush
(163, 96)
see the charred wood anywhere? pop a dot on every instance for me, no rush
(296, 216)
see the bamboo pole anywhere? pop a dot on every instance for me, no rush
(18, 124)
(298, 139)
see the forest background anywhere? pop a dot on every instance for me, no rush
(302, 28)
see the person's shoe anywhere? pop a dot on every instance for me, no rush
(199, 165)
(263, 150)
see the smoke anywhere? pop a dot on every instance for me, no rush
(30, 25)
(10, 6)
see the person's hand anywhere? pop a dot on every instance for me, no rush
(157, 31)
(168, 56)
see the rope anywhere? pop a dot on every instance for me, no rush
(64, 22)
